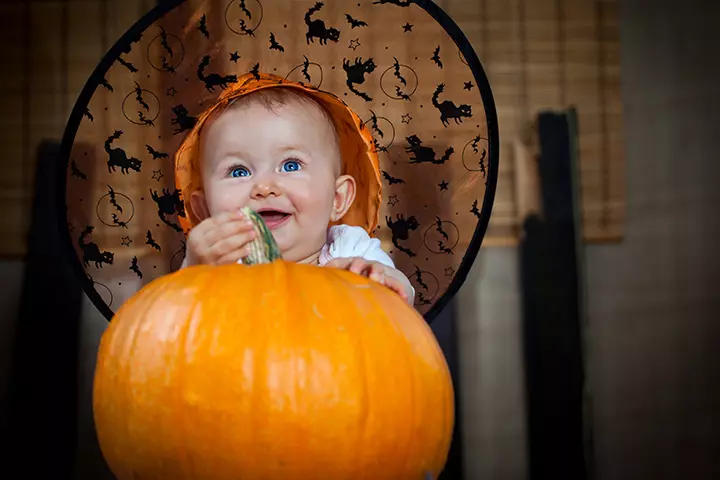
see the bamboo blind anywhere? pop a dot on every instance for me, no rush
(538, 55)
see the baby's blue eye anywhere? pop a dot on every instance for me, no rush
(291, 166)
(239, 172)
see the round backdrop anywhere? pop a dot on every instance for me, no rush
(402, 65)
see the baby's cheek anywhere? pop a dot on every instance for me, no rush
(227, 197)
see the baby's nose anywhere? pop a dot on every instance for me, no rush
(265, 188)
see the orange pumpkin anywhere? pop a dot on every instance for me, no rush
(271, 371)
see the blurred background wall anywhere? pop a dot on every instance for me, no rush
(652, 326)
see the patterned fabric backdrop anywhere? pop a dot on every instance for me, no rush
(393, 61)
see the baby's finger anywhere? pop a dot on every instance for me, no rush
(234, 256)
(376, 273)
(230, 244)
(359, 265)
(395, 285)
(222, 231)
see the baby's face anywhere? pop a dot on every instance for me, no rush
(283, 163)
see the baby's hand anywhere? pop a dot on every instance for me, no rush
(390, 277)
(220, 240)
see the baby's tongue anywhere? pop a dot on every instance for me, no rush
(272, 216)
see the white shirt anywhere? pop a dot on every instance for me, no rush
(345, 241)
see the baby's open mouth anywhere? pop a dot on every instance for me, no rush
(274, 218)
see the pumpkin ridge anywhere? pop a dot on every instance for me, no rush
(182, 371)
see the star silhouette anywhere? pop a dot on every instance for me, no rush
(157, 175)
(126, 241)
(393, 200)
(234, 57)
(443, 185)
(407, 27)
(354, 43)
(468, 86)
(449, 271)
(170, 92)
(406, 118)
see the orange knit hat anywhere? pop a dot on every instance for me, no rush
(356, 145)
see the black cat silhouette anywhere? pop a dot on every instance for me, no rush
(400, 229)
(91, 251)
(356, 75)
(425, 154)
(448, 110)
(213, 80)
(118, 158)
(169, 204)
(182, 120)
(317, 28)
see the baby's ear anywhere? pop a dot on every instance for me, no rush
(198, 202)
(344, 197)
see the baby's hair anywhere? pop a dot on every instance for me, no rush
(274, 97)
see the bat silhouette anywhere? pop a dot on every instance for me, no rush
(166, 66)
(390, 179)
(274, 45)
(256, 71)
(474, 210)
(88, 114)
(354, 22)
(106, 84)
(397, 73)
(149, 241)
(155, 154)
(400, 93)
(135, 268)
(306, 66)
(373, 122)
(419, 279)
(245, 29)
(164, 41)
(113, 201)
(118, 222)
(202, 26)
(379, 147)
(144, 120)
(440, 229)
(139, 97)
(127, 65)
(245, 10)
(76, 172)
(436, 57)
(475, 144)
(443, 248)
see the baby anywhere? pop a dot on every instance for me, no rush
(277, 151)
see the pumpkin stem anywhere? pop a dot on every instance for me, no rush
(263, 248)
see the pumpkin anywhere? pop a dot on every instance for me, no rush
(273, 370)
